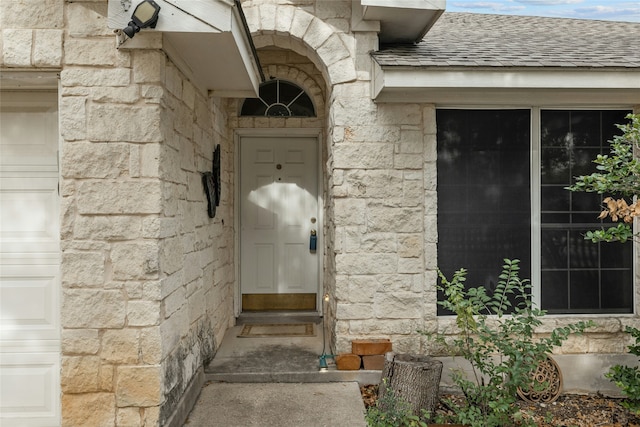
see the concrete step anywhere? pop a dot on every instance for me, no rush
(362, 377)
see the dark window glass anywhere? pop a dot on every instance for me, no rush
(484, 199)
(578, 276)
(279, 99)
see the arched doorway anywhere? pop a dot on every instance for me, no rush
(279, 201)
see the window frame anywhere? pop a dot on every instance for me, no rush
(536, 180)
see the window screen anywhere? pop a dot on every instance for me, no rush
(578, 276)
(484, 196)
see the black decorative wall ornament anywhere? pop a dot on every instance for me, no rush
(211, 183)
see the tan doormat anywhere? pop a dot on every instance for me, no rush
(278, 330)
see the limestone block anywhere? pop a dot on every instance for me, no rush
(410, 245)
(132, 261)
(80, 374)
(138, 386)
(117, 95)
(361, 289)
(115, 197)
(196, 306)
(143, 313)
(169, 284)
(16, 47)
(150, 345)
(430, 177)
(95, 160)
(408, 161)
(80, 341)
(72, 116)
(88, 308)
(317, 34)
(384, 327)
(410, 265)
(364, 263)
(429, 119)
(107, 227)
(169, 261)
(148, 66)
(115, 123)
(174, 302)
(372, 134)
(333, 50)
(87, 19)
(47, 48)
(151, 290)
(376, 184)
(173, 80)
(150, 160)
(120, 346)
(83, 269)
(105, 378)
(89, 51)
(300, 23)
(126, 417)
(401, 220)
(401, 282)
(109, 77)
(151, 416)
(356, 240)
(349, 211)
(91, 409)
(159, 228)
(41, 14)
(396, 114)
(284, 19)
(152, 93)
(189, 95)
(353, 311)
(342, 71)
(399, 305)
(363, 156)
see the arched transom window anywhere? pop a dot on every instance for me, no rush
(279, 98)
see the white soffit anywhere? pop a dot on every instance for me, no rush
(206, 39)
(515, 87)
(403, 21)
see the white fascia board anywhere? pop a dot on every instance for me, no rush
(515, 86)
(407, 4)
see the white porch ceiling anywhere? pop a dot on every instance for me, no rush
(206, 39)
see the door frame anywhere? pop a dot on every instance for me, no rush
(283, 133)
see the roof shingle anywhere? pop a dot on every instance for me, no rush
(479, 40)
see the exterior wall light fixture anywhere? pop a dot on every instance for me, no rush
(145, 15)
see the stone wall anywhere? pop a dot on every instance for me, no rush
(147, 277)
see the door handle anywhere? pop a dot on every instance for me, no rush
(313, 241)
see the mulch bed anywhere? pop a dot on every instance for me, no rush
(568, 411)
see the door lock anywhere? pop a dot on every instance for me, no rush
(313, 241)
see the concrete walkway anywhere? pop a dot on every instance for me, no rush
(276, 382)
(278, 405)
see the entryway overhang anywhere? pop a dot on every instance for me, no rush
(401, 21)
(518, 87)
(207, 39)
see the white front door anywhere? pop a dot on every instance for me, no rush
(29, 260)
(279, 215)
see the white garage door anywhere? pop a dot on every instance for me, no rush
(29, 260)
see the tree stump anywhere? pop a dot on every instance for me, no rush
(413, 378)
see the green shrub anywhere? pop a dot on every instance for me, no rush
(627, 378)
(496, 335)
